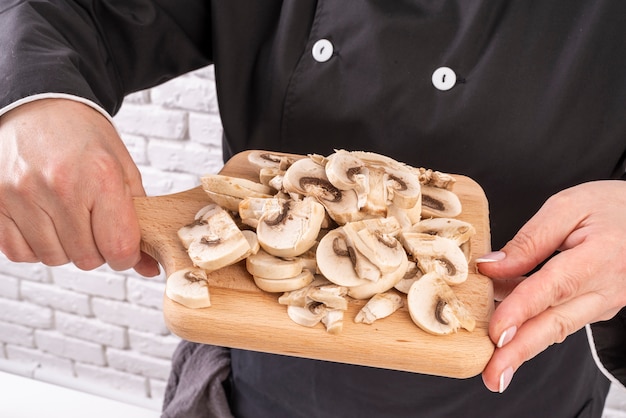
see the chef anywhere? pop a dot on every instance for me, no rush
(527, 98)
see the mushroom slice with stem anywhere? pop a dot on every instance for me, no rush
(455, 229)
(251, 209)
(440, 203)
(374, 239)
(336, 261)
(381, 305)
(403, 187)
(263, 159)
(309, 315)
(189, 287)
(332, 296)
(292, 229)
(435, 308)
(386, 282)
(345, 171)
(434, 253)
(215, 241)
(308, 178)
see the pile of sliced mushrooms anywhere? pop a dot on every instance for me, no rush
(323, 229)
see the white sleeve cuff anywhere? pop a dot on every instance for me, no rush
(41, 96)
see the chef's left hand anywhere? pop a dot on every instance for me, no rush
(584, 282)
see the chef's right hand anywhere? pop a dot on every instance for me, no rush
(66, 188)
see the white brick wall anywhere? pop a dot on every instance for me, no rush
(105, 328)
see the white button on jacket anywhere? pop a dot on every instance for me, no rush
(322, 50)
(444, 78)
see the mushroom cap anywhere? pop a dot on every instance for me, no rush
(334, 262)
(455, 229)
(440, 203)
(189, 287)
(435, 253)
(308, 178)
(293, 229)
(434, 307)
(215, 241)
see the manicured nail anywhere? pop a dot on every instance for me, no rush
(491, 257)
(505, 379)
(507, 336)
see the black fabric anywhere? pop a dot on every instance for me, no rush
(561, 382)
(539, 106)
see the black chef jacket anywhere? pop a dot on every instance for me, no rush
(537, 106)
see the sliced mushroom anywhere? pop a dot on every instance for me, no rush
(434, 253)
(229, 191)
(403, 187)
(377, 198)
(189, 287)
(265, 159)
(454, 229)
(406, 217)
(272, 177)
(335, 262)
(308, 178)
(379, 306)
(332, 296)
(215, 240)
(284, 285)
(375, 240)
(435, 308)
(252, 208)
(309, 315)
(441, 203)
(293, 229)
(386, 282)
(428, 177)
(345, 171)
(333, 321)
(268, 266)
(252, 241)
(413, 273)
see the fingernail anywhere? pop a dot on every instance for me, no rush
(507, 336)
(505, 379)
(491, 257)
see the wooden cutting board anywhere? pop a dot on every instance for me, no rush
(243, 316)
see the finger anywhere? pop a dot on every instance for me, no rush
(74, 230)
(12, 242)
(558, 281)
(535, 242)
(39, 232)
(147, 266)
(535, 335)
(116, 230)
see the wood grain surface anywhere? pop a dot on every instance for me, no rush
(243, 316)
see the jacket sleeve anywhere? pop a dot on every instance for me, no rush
(99, 50)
